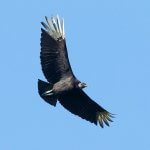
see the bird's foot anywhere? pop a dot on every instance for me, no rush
(48, 93)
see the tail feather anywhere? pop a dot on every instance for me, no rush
(42, 88)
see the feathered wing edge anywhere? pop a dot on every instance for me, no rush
(80, 104)
(104, 117)
(55, 28)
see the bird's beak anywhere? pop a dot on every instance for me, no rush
(85, 85)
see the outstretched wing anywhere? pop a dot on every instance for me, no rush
(54, 58)
(78, 103)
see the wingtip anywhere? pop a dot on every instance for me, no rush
(112, 115)
(46, 17)
(104, 117)
(45, 26)
(54, 27)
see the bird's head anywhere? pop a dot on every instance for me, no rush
(82, 85)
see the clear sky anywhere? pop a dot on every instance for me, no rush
(109, 48)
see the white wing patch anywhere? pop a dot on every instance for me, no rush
(54, 28)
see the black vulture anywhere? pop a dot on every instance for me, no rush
(62, 84)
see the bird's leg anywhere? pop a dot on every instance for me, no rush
(48, 93)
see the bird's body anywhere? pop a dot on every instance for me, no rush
(62, 84)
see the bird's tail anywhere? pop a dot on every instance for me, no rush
(43, 87)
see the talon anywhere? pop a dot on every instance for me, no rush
(48, 93)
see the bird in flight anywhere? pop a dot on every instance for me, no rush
(62, 85)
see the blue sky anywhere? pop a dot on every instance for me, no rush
(109, 49)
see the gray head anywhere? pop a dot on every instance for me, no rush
(82, 85)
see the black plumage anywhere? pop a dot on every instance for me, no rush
(62, 85)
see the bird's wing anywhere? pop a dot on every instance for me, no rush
(78, 103)
(54, 57)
